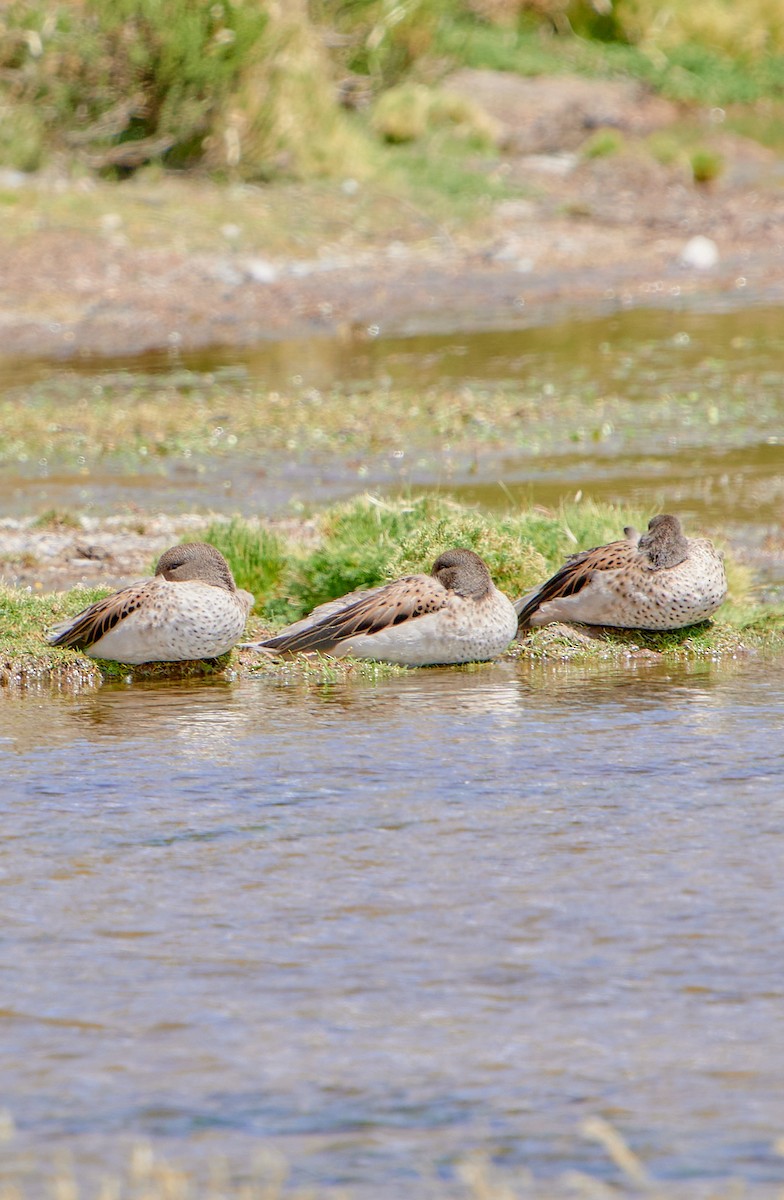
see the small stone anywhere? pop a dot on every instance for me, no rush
(91, 552)
(261, 271)
(224, 272)
(550, 164)
(10, 178)
(700, 252)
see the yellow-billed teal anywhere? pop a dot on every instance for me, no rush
(660, 580)
(189, 609)
(454, 615)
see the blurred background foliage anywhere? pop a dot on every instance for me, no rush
(299, 88)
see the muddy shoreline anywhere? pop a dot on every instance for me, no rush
(168, 261)
(185, 309)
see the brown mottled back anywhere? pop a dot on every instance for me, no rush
(660, 580)
(577, 571)
(460, 571)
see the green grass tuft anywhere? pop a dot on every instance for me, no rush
(603, 144)
(706, 165)
(358, 540)
(257, 557)
(411, 111)
(57, 518)
(503, 542)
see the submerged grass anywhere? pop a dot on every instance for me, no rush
(268, 1177)
(141, 420)
(366, 541)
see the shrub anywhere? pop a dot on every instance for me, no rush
(706, 165)
(123, 82)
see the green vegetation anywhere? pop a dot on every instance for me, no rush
(138, 420)
(259, 558)
(685, 145)
(603, 144)
(260, 91)
(745, 33)
(57, 518)
(118, 83)
(687, 72)
(410, 111)
(366, 541)
(706, 165)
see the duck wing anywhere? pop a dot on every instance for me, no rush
(577, 571)
(90, 625)
(377, 609)
(328, 609)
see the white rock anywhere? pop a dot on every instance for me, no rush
(261, 271)
(224, 272)
(550, 164)
(700, 252)
(13, 179)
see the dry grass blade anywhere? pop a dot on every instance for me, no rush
(596, 1129)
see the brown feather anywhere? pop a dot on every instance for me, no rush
(576, 572)
(90, 625)
(404, 600)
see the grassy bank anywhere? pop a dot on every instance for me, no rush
(367, 541)
(300, 90)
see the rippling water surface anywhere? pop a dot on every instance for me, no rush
(380, 927)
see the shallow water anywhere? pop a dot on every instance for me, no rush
(380, 927)
(682, 409)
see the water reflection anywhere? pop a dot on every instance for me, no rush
(383, 926)
(638, 347)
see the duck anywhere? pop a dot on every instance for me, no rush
(453, 615)
(657, 580)
(190, 608)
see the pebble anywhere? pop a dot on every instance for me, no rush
(700, 252)
(261, 271)
(550, 164)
